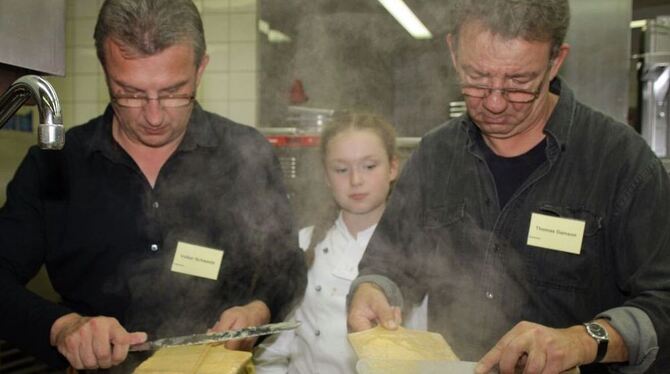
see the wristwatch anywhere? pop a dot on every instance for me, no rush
(598, 332)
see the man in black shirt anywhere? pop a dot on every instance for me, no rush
(157, 217)
(538, 227)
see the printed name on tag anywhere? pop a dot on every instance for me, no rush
(197, 261)
(556, 233)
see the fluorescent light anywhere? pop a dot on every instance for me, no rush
(638, 24)
(263, 26)
(274, 36)
(401, 12)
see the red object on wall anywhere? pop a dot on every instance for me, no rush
(298, 95)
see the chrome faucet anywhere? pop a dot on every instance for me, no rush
(50, 132)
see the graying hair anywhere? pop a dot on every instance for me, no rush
(531, 20)
(148, 27)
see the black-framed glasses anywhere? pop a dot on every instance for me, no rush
(166, 101)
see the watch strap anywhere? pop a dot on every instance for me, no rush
(602, 341)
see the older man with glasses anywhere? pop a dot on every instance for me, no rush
(537, 226)
(156, 218)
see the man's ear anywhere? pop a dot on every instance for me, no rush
(201, 69)
(451, 43)
(557, 62)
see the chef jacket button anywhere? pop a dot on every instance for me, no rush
(489, 295)
(318, 288)
(317, 332)
(154, 248)
(325, 250)
(155, 204)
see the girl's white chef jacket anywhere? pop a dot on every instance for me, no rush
(319, 345)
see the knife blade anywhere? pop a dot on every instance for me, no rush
(215, 337)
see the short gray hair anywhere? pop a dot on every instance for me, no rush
(150, 26)
(532, 20)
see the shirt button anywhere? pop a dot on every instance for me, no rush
(318, 288)
(155, 204)
(317, 332)
(325, 250)
(489, 295)
(154, 248)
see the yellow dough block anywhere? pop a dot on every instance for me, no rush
(402, 344)
(197, 359)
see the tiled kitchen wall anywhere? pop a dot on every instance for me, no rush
(229, 86)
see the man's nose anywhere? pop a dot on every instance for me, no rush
(495, 102)
(153, 112)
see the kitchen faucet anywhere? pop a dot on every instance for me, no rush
(50, 132)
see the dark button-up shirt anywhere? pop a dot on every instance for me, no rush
(444, 233)
(108, 238)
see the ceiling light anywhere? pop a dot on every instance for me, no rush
(638, 24)
(401, 12)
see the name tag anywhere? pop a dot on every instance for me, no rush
(559, 234)
(198, 261)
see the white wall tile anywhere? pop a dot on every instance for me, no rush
(218, 57)
(83, 112)
(64, 88)
(102, 106)
(85, 88)
(219, 107)
(68, 115)
(217, 27)
(69, 61)
(243, 27)
(214, 86)
(83, 32)
(243, 6)
(243, 86)
(215, 6)
(243, 112)
(85, 8)
(86, 61)
(243, 56)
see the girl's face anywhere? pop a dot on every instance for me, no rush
(359, 173)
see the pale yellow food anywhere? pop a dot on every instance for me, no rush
(197, 359)
(402, 344)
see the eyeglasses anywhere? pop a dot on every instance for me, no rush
(512, 95)
(167, 101)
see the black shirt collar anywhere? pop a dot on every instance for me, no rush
(199, 133)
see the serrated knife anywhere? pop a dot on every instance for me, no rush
(215, 337)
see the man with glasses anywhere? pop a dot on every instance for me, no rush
(536, 226)
(156, 219)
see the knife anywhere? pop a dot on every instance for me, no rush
(215, 337)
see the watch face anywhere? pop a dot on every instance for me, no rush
(596, 330)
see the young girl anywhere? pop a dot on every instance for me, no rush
(360, 163)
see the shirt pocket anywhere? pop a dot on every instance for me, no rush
(443, 215)
(566, 271)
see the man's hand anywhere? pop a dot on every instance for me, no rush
(533, 348)
(92, 342)
(370, 307)
(253, 314)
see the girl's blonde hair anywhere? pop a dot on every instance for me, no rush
(343, 122)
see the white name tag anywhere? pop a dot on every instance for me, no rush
(559, 234)
(198, 261)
